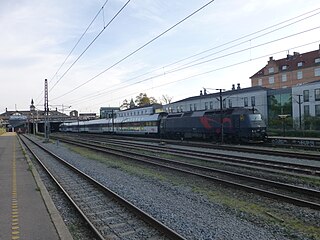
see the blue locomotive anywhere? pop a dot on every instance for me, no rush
(234, 124)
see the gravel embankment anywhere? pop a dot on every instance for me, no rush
(176, 205)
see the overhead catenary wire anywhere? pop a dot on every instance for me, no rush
(195, 64)
(211, 71)
(77, 43)
(77, 59)
(117, 87)
(135, 51)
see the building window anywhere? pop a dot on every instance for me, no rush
(195, 107)
(230, 103)
(299, 75)
(317, 60)
(306, 95)
(181, 108)
(271, 70)
(271, 80)
(259, 82)
(224, 104)
(317, 72)
(306, 110)
(300, 64)
(206, 105)
(190, 107)
(284, 67)
(317, 94)
(317, 110)
(211, 105)
(245, 102)
(253, 101)
(284, 77)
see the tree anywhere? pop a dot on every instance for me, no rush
(143, 100)
(166, 99)
(125, 105)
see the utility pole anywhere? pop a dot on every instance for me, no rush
(221, 117)
(300, 111)
(46, 112)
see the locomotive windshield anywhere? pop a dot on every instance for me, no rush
(255, 117)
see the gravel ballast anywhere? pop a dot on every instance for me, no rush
(176, 205)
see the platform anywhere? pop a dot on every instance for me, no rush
(23, 212)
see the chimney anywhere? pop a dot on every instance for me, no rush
(296, 53)
(270, 58)
(238, 86)
(233, 87)
(201, 93)
(205, 91)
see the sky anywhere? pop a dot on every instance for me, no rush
(142, 49)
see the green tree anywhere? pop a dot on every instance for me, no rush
(143, 100)
(125, 105)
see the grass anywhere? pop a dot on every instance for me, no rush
(2, 131)
(259, 212)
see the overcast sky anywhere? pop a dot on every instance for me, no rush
(37, 36)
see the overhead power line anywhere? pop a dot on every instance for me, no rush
(208, 72)
(195, 64)
(91, 43)
(116, 87)
(135, 51)
(77, 43)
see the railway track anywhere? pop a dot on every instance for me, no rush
(219, 158)
(293, 194)
(109, 215)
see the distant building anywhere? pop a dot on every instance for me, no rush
(87, 116)
(108, 112)
(27, 119)
(138, 111)
(291, 71)
(253, 97)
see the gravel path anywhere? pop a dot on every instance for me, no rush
(190, 214)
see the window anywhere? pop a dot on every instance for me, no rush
(206, 105)
(284, 77)
(300, 64)
(317, 94)
(181, 108)
(224, 104)
(260, 82)
(253, 101)
(195, 107)
(317, 60)
(306, 110)
(299, 75)
(317, 72)
(245, 102)
(306, 95)
(190, 107)
(317, 110)
(284, 67)
(230, 103)
(271, 80)
(271, 70)
(211, 105)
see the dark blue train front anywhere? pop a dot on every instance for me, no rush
(236, 124)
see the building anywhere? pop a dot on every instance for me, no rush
(139, 111)
(108, 112)
(31, 120)
(305, 102)
(287, 72)
(253, 97)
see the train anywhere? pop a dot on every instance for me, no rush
(232, 125)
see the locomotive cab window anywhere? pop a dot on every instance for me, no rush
(255, 117)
